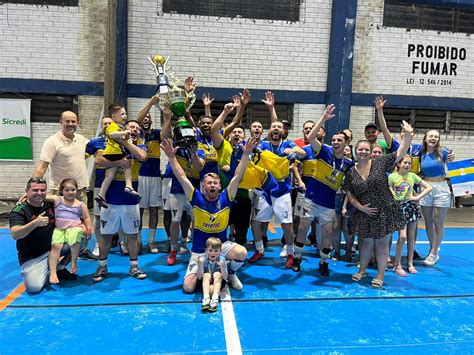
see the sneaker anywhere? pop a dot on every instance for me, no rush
(296, 267)
(431, 260)
(166, 248)
(172, 257)
(88, 256)
(136, 272)
(324, 269)
(256, 257)
(289, 261)
(100, 273)
(416, 256)
(123, 248)
(205, 303)
(183, 248)
(234, 282)
(213, 305)
(64, 274)
(284, 252)
(95, 252)
(152, 248)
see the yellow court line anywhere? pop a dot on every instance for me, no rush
(12, 296)
(271, 228)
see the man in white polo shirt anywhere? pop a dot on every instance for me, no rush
(64, 153)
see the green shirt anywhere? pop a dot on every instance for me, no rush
(402, 185)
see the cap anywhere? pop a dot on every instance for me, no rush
(286, 123)
(370, 125)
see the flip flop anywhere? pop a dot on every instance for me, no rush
(358, 276)
(101, 201)
(399, 271)
(376, 283)
(412, 270)
(132, 192)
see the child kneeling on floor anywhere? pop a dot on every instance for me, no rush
(212, 269)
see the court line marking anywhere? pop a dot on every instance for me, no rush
(232, 338)
(224, 301)
(12, 296)
(271, 228)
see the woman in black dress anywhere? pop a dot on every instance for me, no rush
(377, 214)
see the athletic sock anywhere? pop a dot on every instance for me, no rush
(134, 262)
(235, 265)
(290, 249)
(259, 246)
(299, 249)
(325, 254)
(103, 262)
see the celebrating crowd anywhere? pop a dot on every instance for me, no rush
(226, 183)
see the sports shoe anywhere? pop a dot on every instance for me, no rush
(234, 282)
(416, 256)
(431, 260)
(64, 274)
(172, 257)
(123, 248)
(95, 252)
(100, 273)
(183, 248)
(324, 269)
(256, 257)
(296, 267)
(284, 252)
(289, 261)
(213, 305)
(136, 272)
(88, 256)
(152, 248)
(205, 303)
(167, 247)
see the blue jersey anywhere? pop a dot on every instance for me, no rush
(210, 218)
(92, 148)
(151, 167)
(184, 158)
(279, 167)
(323, 174)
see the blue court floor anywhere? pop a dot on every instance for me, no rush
(278, 311)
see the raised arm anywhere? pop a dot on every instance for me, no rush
(269, 101)
(144, 111)
(166, 127)
(207, 101)
(405, 144)
(170, 151)
(217, 137)
(242, 103)
(240, 170)
(313, 135)
(379, 105)
(198, 163)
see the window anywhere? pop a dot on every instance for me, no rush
(424, 120)
(284, 10)
(254, 112)
(47, 108)
(410, 14)
(43, 2)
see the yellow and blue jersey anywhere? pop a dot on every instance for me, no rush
(323, 175)
(414, 152)
(183, 156)
(112, 147)
(115, 194)
(92, 148)
(210, 218)
(152, 166)
(211, 157)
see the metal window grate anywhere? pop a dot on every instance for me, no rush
(284, 10)
(43, 2)
(408, 14)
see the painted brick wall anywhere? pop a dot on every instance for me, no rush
(53, 42)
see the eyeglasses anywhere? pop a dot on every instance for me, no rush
(37, 181)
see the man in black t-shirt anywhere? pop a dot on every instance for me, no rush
(32, 225)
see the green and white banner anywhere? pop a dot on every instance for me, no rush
(15, 129)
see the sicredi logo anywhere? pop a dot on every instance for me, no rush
(9, 121)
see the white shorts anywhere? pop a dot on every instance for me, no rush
(192, 265)
(440, 196)
(299, 203)
(120, 217)
(149, 188)
(311, 210)
(165, 193)
(281, 208)
(179, 203)
(96, 208)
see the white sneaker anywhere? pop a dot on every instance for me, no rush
(284, 252)
(431, 260)
(189, 237)
(96, 250)
(234, 282)
(183, 248)
(205, 303)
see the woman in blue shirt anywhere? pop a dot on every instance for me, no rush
(435, 204)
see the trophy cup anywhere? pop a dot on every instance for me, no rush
(174, 98)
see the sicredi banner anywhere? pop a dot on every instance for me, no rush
(15, 129)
